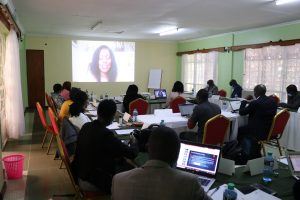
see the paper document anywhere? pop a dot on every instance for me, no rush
(259, 194)
(90, 107)
(283, 161)
(124, 131)
(218, 194)
(114, 125)
(92, 112)
(295, 159)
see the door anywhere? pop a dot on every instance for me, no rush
(35, 77)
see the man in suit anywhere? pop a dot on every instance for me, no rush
(236, 89)
(201, 113)
(157, 179)
(293, 98)
(261, 112)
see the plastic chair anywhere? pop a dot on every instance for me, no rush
(175, 102)
(222, 93)
(48, 128)
(215, 130)
(275, 98)
(51, 104)
(277, 128)
(140, 104)
(79, 194)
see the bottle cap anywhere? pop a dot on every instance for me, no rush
(270, 153)
(230, 186)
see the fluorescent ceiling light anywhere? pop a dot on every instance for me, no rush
(169, 32)
(281, 2)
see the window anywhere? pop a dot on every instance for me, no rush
(197, 69)
(275, 66)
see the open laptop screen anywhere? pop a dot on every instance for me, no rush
(160, 93)
(201, 159)
(186, 109)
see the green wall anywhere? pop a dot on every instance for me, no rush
(148, 55)
(230, 65)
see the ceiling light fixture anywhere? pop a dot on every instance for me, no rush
(281, 2)
(169, 32)
(95, 25)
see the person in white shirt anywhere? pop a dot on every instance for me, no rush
(77, 116)
(177, 90)
(157, 179)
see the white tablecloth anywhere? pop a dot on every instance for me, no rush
(291, 136)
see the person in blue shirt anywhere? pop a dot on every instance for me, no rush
(236, 89)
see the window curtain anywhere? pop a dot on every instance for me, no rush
(2, 95)
(197, 69)
(274, 66)
(13, 122)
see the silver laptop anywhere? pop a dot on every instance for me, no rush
(200, 159)
(293, 159)
(186, 109)
(235, 105)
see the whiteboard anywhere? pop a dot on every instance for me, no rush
(154, 78)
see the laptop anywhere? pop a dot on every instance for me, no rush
(200, 159)
(293, 159)
(186, 110)
(160, 93)
(235, 105)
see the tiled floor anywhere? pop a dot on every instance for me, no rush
(42, 177)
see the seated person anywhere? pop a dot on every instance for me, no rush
(99, 154)
(58, 99)
(64, 111)
(77, 116)
(131, 95)
(293, 98)
(157, 178)
(177, 90)
(236, 89)
(211, 88)
(202, 112)
(66, 88)
(261, 112)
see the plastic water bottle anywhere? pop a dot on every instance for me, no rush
(268, 168)
(134, 115)
(224, 105)
(106, 96)
(230, 193)
(162, 123)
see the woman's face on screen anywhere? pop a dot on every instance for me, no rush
(104, 60)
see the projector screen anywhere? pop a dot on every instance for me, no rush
(102, 61)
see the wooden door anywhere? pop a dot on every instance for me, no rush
(35, 77)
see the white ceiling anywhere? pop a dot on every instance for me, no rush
(143, 19)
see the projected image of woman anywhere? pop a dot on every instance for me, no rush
(103, 66)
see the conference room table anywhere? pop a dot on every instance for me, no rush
(282, 184)
(291, 135)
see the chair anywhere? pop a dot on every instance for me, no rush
(215, 130)
(277, 128)
(175, 102)
(48, 128)
(275, 98)
(140, 104)
(51, 104)
(222, 93)
(79, 194)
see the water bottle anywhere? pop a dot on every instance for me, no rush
(120, 120)
(268, 168)
(230, 193)
(134, 115)
(162, 123)
(106, 96)
(224, 105)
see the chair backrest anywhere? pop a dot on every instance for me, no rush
(215, 130)
(140, 104)
(222, 93)
(275, 98)
(51, 103)
(53, 121)
(279, 122)
(175, 102)
(41, 114)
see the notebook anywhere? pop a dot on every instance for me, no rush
(200, 159)
(186, 109)
(160, 93)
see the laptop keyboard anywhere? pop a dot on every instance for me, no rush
(204, 181)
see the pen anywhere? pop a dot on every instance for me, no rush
(214, 191)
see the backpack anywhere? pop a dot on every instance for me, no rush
(142, 137)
